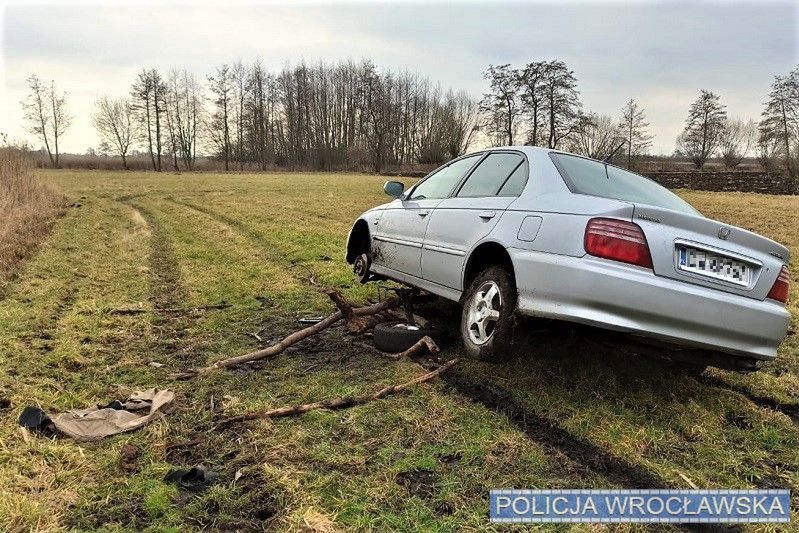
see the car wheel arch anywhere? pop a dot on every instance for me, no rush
(484, 255)
(359, 240)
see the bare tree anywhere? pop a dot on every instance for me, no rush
(183, 111)
(238, 74)
(46, 113)
(737, 139)
(595, 137)
(501, 106)
(703, 128)
(222, 88)
(114, 122)
(148, 99)
(779, 124)
(634, 129)
(531, 82)
(561, 103)
(462, 116)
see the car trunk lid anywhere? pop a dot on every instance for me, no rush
(701, 251)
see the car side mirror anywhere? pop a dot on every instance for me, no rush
(394, 189)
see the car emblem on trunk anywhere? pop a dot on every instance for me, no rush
(724, 233)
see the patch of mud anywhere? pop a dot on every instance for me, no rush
(419, 482)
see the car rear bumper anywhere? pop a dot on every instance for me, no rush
(621, 297)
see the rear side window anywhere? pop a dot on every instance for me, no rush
(492, 174)
(515, 182)
(440, 184)
(586, 176)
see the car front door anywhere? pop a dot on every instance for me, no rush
(401, 229)
(459, 222)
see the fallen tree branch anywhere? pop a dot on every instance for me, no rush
(294, 338)
(356, 324)
(425, 343)
(341, 402)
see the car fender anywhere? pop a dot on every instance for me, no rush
(370, 219)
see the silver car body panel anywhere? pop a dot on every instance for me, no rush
(427, 244)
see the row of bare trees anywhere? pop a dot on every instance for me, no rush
(539, 104)
(351, 114)
(322, 116)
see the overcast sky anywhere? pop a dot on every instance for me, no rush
(660, 53)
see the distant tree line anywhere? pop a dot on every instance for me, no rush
(319, 116)
(352, 114)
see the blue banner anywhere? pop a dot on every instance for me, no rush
(645, 505)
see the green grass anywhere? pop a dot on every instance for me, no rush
(423, 460)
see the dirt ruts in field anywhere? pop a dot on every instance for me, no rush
(221, 218)
(791, 410)
(166, 290)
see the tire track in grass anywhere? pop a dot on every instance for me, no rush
(791, 410)
(167, 291)
(586, 456)
(258, 238)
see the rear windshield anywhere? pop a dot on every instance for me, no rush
(586, 176)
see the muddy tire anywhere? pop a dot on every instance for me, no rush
(395, 337)
(488, 315)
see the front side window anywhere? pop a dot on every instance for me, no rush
(490, 175)
(586, 176)
(440, 184)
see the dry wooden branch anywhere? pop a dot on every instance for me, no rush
(425, 343)
(354, 324)
(294, 338)
(339, 402)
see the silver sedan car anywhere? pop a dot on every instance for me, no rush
(550, 234)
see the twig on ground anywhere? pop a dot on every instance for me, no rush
(339, 402)
(294, 338)
(311, 279)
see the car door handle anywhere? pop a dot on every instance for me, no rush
(487, 215)
(423, 213)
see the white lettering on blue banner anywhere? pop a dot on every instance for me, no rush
(710, 506)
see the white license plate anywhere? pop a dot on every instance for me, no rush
(713, 265)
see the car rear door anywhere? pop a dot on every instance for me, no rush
(401, 229)
(459, 222)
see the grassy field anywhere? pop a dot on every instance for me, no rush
(422, 460)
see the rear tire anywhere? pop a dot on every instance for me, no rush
(488, 315)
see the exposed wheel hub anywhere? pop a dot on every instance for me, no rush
(361, 267)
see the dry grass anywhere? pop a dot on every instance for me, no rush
(28, 209)
(423, 461)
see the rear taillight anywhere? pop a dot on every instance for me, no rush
(618, 240)
(779, 291)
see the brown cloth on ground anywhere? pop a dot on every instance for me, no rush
(96, 422)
